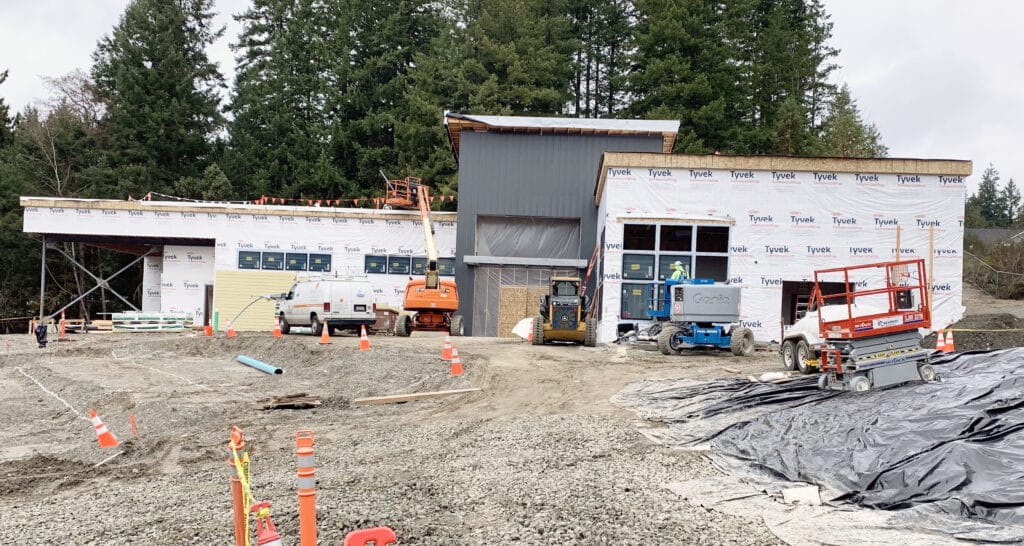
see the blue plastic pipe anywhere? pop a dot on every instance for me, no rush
(252, 362)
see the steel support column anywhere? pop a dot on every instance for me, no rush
(42, 280)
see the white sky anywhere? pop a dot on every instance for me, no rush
(940, 78)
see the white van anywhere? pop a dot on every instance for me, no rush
(343, 303)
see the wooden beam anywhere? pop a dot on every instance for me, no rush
(397, 398)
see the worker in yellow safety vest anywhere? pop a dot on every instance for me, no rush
(678, 271)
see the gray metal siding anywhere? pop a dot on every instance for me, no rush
(530, 175)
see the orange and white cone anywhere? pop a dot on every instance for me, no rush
(950, 347)
(231, 330)
(940, 343)
(364, 342)
(208, 329)
(446, 351)
(325, 334)
(456, 362)
(105, 437)
(277, 326)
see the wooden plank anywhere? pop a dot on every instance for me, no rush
(397, 398)
(292, 401)
(731, 370)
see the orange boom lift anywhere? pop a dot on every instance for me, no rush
(430, 303)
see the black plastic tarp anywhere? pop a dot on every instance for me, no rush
(955, 445)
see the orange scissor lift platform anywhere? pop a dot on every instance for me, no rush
(871, 332)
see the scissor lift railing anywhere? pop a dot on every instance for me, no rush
(905, 290)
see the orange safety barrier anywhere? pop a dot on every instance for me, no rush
(277, 326)
(456, 362)
(103, 434)
(307, 487)
(237, 445)
(379, 536)
(446, 351)
(364, 342)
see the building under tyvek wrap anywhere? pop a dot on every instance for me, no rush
(782, 219)
(215, 256)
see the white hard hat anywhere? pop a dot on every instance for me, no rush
(677, 262)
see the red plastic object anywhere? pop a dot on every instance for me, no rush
(378, 536)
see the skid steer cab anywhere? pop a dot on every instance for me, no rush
(563, 315)
(700, 314)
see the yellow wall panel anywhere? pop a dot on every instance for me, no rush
(233, 290)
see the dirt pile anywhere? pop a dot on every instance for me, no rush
(985, 333)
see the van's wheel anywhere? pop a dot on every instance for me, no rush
(315, 325)
(538, 330)
(589, 334)
(665, 340)
(803, 353)
(403, 327)
(789, 355)
(285, 327)
(456, 328)
(742, 342)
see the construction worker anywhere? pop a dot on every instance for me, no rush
(678, 271)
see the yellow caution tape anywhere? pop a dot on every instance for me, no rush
(243, 477)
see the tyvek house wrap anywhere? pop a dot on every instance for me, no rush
(788, 224)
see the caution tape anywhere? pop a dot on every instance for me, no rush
(242, 467)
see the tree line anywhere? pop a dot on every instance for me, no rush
(327, 93)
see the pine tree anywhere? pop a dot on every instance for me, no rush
(683, 69)
(518, 57)
(785, 63)
(161, 92)
(601, 31)
(6, 135)
(292, 67)
(987, 198)
(845, 134)
(1009, 201)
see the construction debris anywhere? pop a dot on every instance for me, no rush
(399, 398)
(290, 401)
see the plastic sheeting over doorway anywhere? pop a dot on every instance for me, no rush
(507, 294)
(950, 453)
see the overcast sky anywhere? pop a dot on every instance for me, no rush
(940, 78)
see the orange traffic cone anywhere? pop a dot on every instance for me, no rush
(277, 326)
(940, 343)
(231, 330)
(208, 329)
(446, 351)
(325, 334)
(950, 348)
(105, 437)
(62, 325)
(364, 342)
(456, 362)
(266, 532)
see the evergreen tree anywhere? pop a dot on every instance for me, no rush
(845, 134)
(386, 40)
(5, 118)
(160, 91)
(987, 199)
(601, 30)
(683, 69)
(1009, 200)
(518, 57)
(785, 63)
(292, 66)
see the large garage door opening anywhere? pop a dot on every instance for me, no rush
(504, 295)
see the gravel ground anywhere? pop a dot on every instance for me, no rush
(538, 457)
